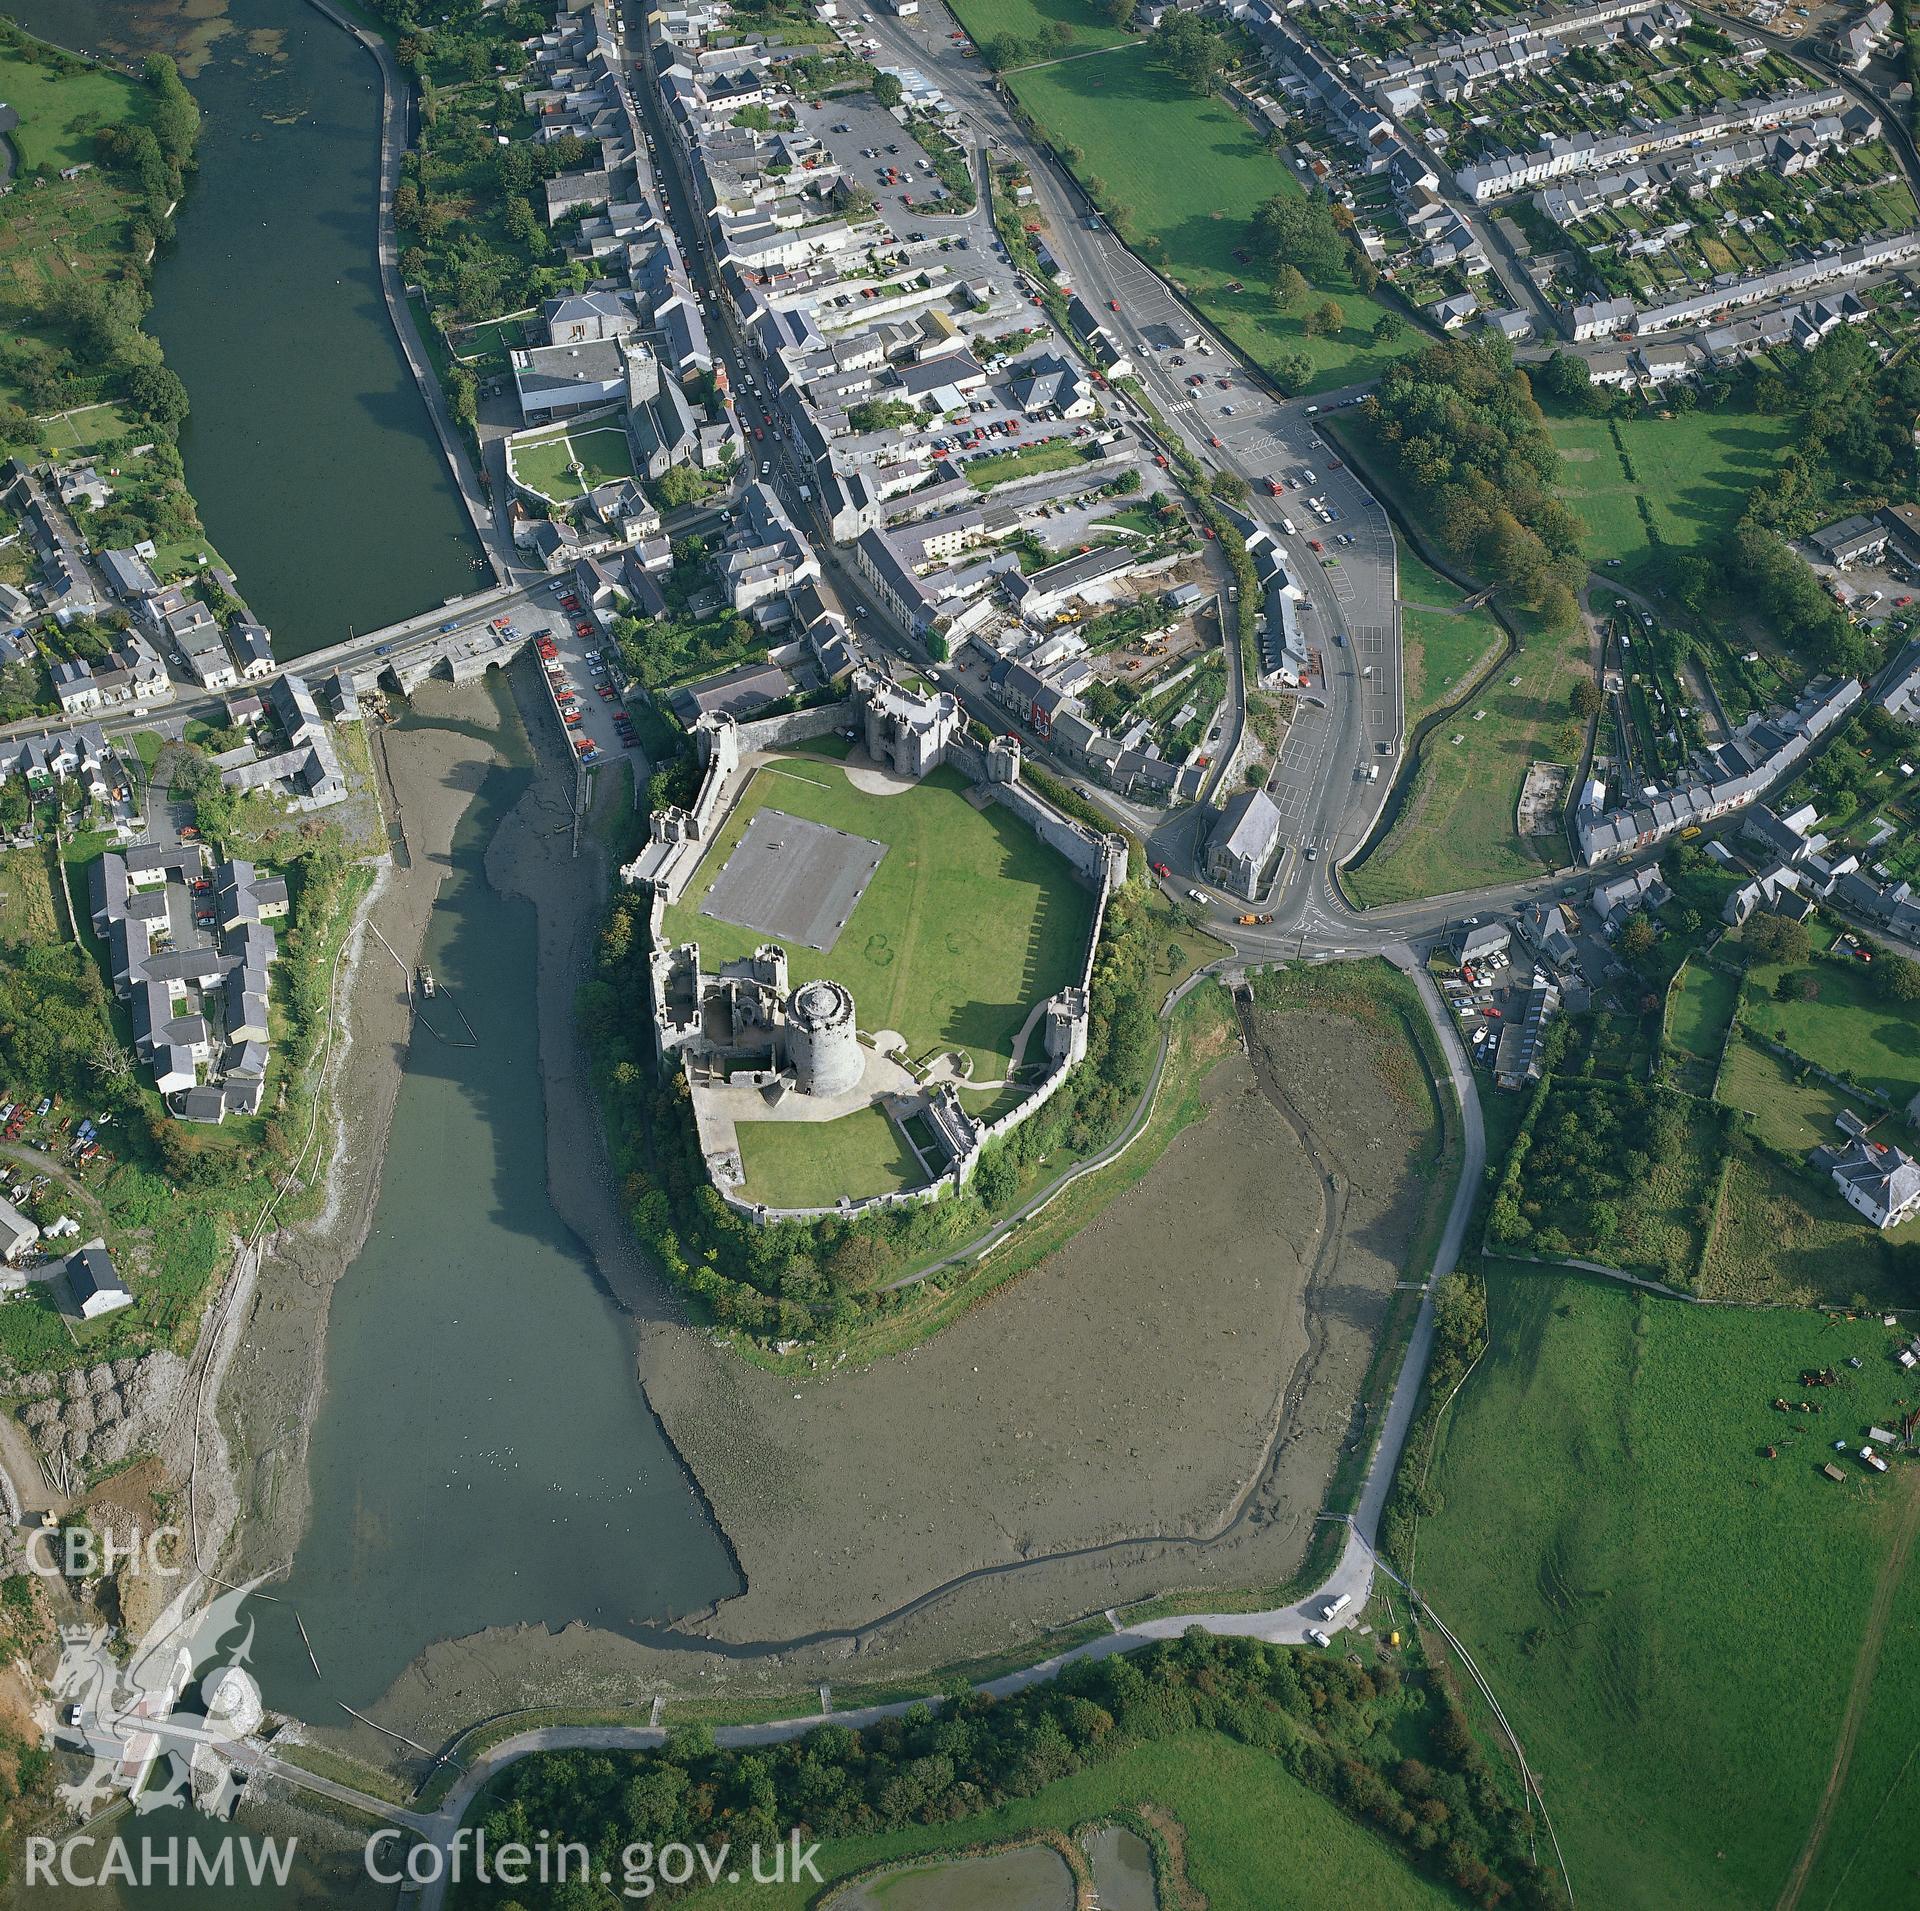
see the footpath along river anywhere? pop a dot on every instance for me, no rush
(316, 469)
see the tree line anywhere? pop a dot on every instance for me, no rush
(1462, 428)
(1391, 1748)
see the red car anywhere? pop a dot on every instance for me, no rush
(583, 628)
(1113, 305)
(1160, 869)
(569, 602)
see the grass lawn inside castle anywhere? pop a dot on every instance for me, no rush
(968, 922)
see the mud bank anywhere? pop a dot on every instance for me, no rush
(1160, 1405)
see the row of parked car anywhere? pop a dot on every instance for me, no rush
(567, 693)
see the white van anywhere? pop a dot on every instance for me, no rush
(1336, 1606)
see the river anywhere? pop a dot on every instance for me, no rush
(308, 449)
(451, 1490)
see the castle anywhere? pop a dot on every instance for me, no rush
(747, 1037)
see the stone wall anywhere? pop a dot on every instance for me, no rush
(1092, 855)
(796, 726)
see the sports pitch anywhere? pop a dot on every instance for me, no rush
(794, 880)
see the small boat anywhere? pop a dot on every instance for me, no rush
(426, 980)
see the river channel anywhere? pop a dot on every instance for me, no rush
(483, 1455)
(308, 449)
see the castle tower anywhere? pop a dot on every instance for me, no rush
(1003, 760)
(822, 1043)
(1066, 1026)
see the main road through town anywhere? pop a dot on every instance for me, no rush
(1353, 719)
(1326, 803)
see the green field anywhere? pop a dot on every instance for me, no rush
(1670, 1620)
(1789, 1114)
(1457, 830)
(1785, 1235)
(1183, 175)
(1003, 467)
(1847, 1029)
(1702, 1010)
(988, 20)
(1694, 470)
(28, 911)
(1443, 645)
(548, 464)
(1256, 1839)
(55, 230)
(1442, 651)
(60, 113)
(969, 920)
(811, 1164)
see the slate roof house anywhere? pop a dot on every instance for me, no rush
(1244, 838)
(1877, 1179)
(95, 1281)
